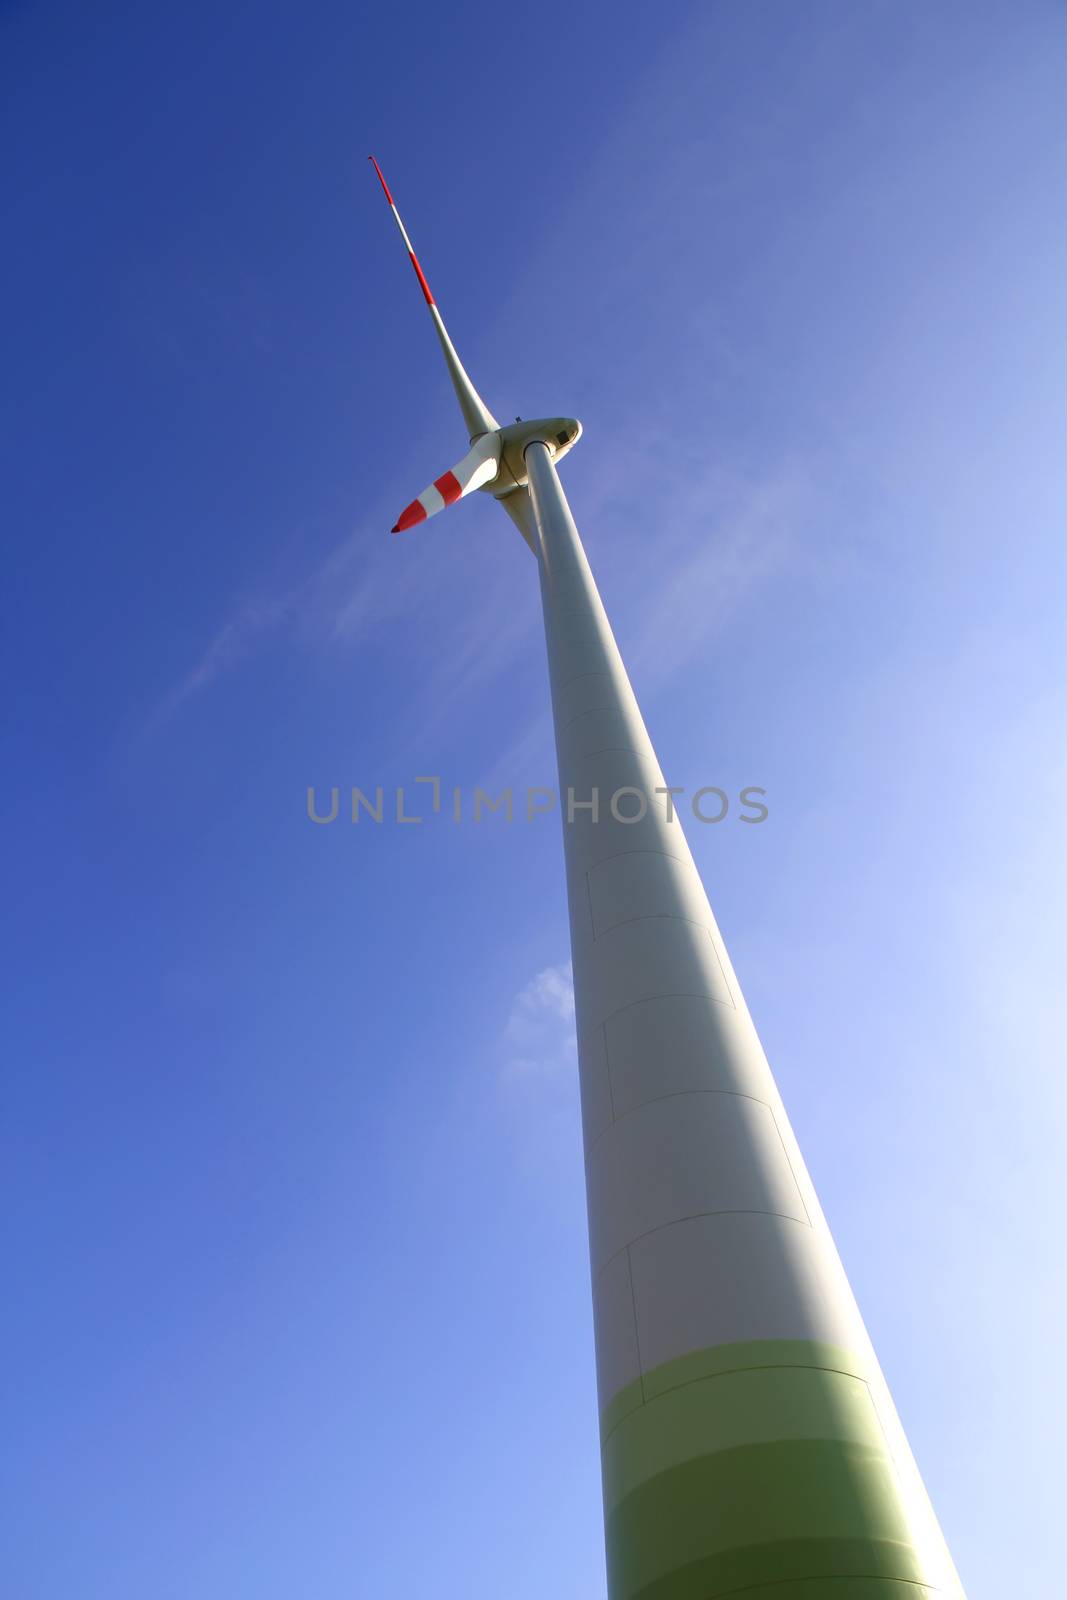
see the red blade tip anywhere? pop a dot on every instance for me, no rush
(381, 179)
(415, 512)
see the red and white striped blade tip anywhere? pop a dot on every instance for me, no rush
(423, 285)
(444, 491)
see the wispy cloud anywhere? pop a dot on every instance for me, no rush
(363, 586)
(345, 596)
(751, 539)
(234, 640)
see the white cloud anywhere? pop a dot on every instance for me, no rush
(552, 990)
(539, 1034)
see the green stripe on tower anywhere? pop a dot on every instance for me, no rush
(754, 1465)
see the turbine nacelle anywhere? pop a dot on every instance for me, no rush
(560, 434)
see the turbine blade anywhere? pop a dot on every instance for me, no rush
(480, 465)
(476, 413)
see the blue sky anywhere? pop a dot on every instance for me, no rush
(294, 1218)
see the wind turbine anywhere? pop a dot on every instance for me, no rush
(749, 1443)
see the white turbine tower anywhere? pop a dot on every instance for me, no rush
(749, 1443)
